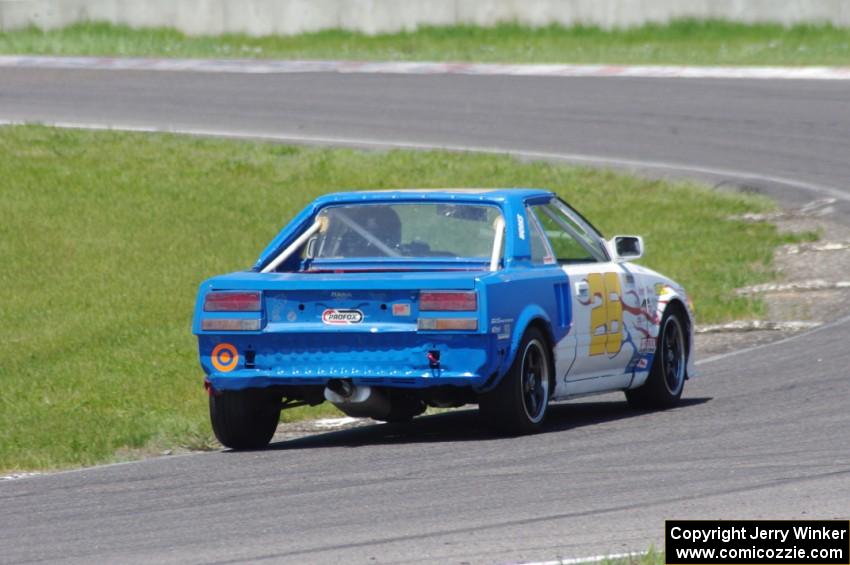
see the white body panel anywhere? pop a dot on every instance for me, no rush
(616, 315)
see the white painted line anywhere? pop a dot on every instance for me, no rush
(816, 208)
(331, 423)
(259, 66)
(592, 559)
(801, 286)
(817, 247)
(16, 476)
(576, 158)
(746, 350)
(757, 325)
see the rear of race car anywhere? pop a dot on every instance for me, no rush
(383, 348)
(407, 331)
(376, 303)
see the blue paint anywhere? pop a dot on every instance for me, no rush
(313, 358)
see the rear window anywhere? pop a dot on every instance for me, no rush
(406, 230)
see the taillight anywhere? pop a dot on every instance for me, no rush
(451, 301)
(230, 301)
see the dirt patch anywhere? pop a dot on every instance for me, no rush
(813, 287)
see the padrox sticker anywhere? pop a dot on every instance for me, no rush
(336, 317)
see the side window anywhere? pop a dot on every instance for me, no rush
(541, 254)
(586, 233)
(570, 242)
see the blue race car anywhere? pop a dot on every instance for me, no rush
(386, 302)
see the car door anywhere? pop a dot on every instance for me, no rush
(594, 355)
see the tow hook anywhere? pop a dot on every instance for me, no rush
(434, 359)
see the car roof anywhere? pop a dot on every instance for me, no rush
(485, 195)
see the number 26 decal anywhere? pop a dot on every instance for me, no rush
(606, 315)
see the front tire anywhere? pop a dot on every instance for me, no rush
(663, 387)
(245, 419)
(519, 402)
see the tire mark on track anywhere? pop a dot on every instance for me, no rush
(542, 519)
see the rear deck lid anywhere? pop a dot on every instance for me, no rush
(350, 302)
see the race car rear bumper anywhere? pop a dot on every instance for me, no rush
(403, 360)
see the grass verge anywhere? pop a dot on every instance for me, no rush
(683, 42)
(106, 236)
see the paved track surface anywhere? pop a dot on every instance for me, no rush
(798, 130)
(761, 434)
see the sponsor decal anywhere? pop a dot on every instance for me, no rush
(401, 309)
(224, 357)
(341, 317)
(501, 327)
(606, 316)
(505, 333)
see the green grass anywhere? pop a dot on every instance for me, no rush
(681, 42)
(105, 237)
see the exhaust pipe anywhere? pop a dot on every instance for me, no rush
(357, 401)
(340, 387)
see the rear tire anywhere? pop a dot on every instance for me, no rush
(519, 402)
(663, 387)
(245, 419)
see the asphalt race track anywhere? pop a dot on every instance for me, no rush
(761, 434)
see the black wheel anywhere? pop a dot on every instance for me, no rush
(663, 387)
(244, 419)
(518, 404)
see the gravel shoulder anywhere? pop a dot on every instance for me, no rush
(813, 286)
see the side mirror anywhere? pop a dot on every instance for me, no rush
(626, 247)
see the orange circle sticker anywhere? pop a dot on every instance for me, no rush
(224, 357)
